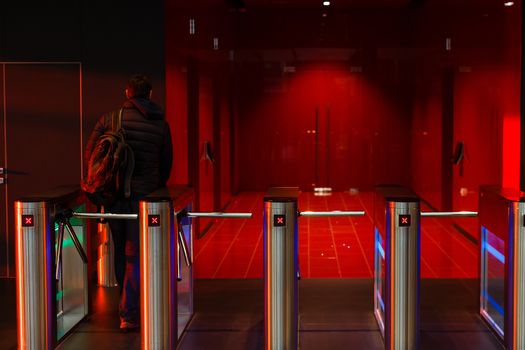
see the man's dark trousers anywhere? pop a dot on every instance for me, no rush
(127, 264)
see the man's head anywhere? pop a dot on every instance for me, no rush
(138, 86)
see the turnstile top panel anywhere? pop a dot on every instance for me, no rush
(282, 194)
(61, 194)
(495, 208)
(393, 193)
(180, 195)
(508, 194)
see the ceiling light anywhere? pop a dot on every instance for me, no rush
(326, 3)
(509, 3)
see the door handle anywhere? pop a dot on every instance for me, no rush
(4, 171)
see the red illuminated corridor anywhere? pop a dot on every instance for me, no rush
(331, 247)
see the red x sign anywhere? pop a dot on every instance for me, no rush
(404, 220)
(28, 221)
(154, 220)
(279, 220)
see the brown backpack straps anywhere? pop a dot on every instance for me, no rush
(116, 120)
(119, 120)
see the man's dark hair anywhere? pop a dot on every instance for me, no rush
(139, 86)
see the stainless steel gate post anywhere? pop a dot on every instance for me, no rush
(35, 283)
(280, 269)
(502, 259)
(158, 269)
(397, 266)
(44, 313)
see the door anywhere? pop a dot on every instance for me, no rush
(305, 127)
(40, 148)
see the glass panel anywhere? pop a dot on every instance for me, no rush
(185, 283)
(380, 281)
(493, 279)
(72, 284)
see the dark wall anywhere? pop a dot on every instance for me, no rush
(111, 41)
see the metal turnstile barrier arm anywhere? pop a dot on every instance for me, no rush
(449, 214)
(185, 252)
(333, 213)
(162, 242)
(219, 215)
(184, 246)
(105, 216)
(215, 215)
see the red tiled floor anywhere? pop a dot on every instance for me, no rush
(329, 247)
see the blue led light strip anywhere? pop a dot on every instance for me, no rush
(494, 252)
(381, 250)
(378, 243)
(495, 305)
(380, 300)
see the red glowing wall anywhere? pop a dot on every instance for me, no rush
(322, 125)
(485, 67)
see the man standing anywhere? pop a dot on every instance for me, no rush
(148, 134)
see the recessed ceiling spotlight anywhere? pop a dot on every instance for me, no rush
(325, 15)
(326, 3)
(509, 3)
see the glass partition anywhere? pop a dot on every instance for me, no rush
(185, 275)
(493, 279)
(379, 280)
(72, 285)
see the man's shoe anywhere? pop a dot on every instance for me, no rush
(128, 325)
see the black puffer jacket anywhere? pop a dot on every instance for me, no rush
(148, 134)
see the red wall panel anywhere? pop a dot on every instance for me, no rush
(206, 167)
(176, 96)
(477, 123)
(224, 149)
(177, 118)
(426, 139)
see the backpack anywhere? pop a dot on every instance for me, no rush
(110, 166)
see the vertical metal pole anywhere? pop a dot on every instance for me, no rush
(106, 257)
(402, 275)
(280, 273)
(35, 285)
(158, 268)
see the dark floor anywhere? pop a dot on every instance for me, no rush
(7, 314)
(334, 314)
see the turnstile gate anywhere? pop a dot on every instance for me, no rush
(397, 266)
(502, 259)
(281, 265)
(51, 271)
(280, 268)
(166, 239)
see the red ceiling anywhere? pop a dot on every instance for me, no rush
(334, 3)
(211, 4)
(337, 4)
